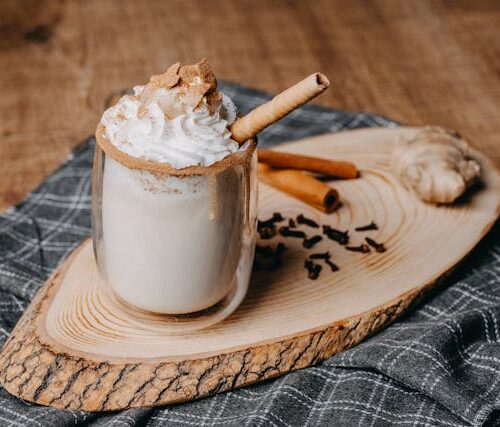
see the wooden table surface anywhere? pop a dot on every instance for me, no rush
(416, 61)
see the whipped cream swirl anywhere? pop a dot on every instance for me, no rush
(197, 137)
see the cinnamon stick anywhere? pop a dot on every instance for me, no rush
(280, 159)
(301, 186)
(282, 104)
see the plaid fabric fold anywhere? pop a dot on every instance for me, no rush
(437, 366)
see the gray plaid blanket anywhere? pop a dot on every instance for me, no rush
(437, 366)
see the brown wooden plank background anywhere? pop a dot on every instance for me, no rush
(417, 61)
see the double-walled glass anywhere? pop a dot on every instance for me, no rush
(173, 241)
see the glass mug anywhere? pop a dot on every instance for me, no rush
(173, 241)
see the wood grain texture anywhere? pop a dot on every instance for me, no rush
(417, 61)
(74, 348)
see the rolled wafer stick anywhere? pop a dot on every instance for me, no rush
(251, 124)
(302, 186)
(279, 159)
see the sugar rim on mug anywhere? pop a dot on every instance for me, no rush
(238, 158)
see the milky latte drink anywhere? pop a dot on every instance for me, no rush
(174, 208)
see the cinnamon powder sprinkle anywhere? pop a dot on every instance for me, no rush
(142, 111)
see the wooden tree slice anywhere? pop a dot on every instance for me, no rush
(76, 348)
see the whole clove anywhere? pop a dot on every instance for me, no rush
(286, 232)
(363, 248)
(277, 217)
(314, 274)
(333, 267)
(379, 247)
(313, 270)
(266, 233)
(371, 226)
(312, 241)
(341, 237)
(320, 255)
(301, 219)
(291, 223)
(265, 224)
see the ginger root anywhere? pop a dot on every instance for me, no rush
(436, 165)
